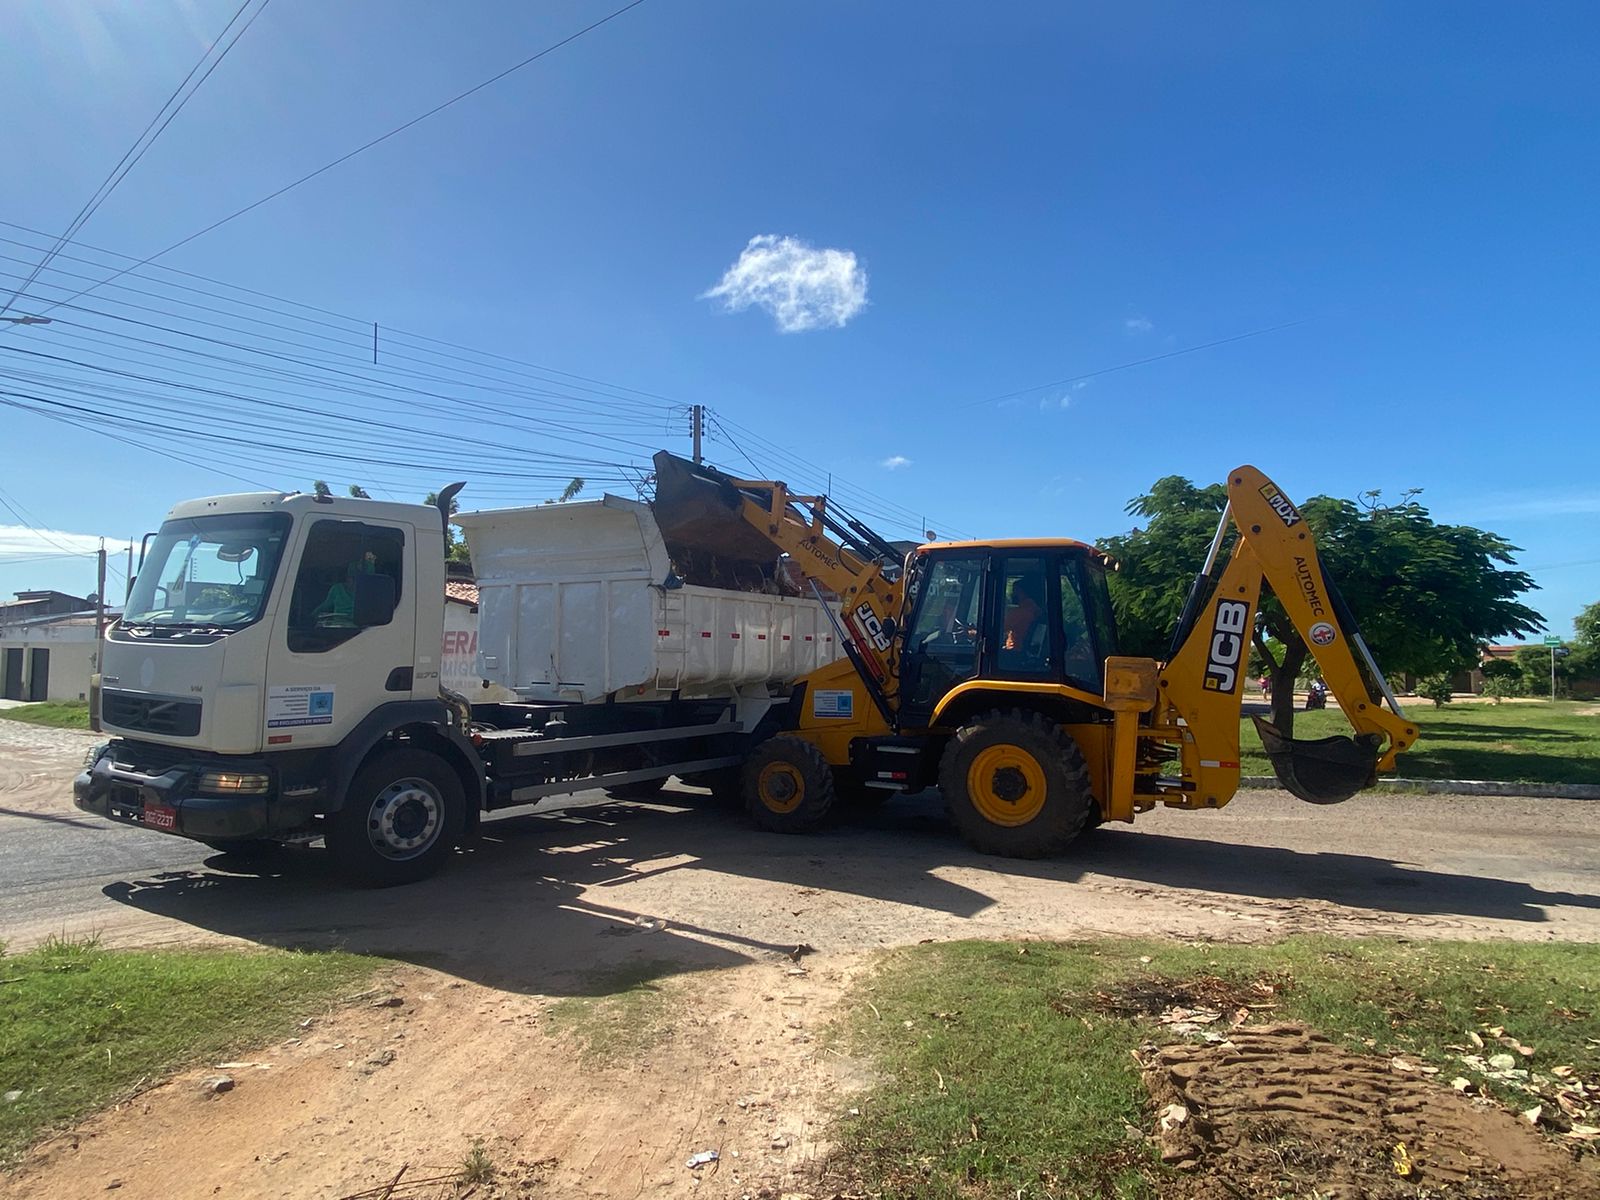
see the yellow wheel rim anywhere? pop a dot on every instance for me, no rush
(1006, 785)
(782, 787)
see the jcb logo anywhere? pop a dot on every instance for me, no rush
(1227, 646)
(1279, 503)
(872, 626)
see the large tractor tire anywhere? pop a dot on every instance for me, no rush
(402, 814)
(788, 786)
(1016, 785)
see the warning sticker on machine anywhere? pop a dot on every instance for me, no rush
(833, 704)
(300, 704)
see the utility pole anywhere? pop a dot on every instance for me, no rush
(100, 606)
(696, 424)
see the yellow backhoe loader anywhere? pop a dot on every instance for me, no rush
(990, 669)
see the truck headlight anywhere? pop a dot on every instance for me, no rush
(233, 783)
(94, 755)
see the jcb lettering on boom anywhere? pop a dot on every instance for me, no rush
(872, 627)
(1227, 645)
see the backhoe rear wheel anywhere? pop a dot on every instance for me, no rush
(788, 785)
(1016, 785)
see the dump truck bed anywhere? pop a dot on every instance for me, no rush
(580, 602)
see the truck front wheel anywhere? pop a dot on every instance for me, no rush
(402, 813)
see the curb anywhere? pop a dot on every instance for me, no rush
(1463, 787)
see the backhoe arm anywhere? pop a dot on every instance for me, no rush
(1203, 683)
(700, 507)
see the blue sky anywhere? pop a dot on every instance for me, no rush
(1017, 195)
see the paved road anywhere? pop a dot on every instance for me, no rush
(534, 896)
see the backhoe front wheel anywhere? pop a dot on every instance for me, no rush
(401, 815)
(1016, 785)
(788, 786)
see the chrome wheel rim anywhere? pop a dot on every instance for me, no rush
(405, 819)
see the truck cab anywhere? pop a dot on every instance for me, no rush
(270, 641)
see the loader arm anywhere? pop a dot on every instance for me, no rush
(699, 506)
(1203, 683)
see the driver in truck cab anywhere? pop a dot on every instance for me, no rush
(339, 607)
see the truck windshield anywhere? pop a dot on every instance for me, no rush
(208, 571)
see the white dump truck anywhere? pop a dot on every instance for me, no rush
(276, 674)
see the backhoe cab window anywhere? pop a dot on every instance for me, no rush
(322, 608)
(1081, 665)
(208, 572)
(945, 635)
(1024, 634)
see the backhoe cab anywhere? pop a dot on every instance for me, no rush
(991, 669)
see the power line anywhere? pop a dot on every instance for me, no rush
(1138, 362)
(362, 149)
(142, 143)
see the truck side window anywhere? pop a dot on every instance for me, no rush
(322, 605)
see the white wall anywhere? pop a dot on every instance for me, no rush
(72, 651)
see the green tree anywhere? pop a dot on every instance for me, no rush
(1427, 595)
(1436, 688)
(320, 489)
(357, 492)
(568, 492)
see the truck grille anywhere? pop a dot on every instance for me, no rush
(151, 714)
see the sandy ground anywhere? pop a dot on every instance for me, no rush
(551, 905)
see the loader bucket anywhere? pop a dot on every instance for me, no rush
(1322, 770)
(698, 512)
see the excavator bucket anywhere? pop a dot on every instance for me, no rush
(1321, 770)
(698, 511)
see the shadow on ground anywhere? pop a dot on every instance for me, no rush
(540, 902)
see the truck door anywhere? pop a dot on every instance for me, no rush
(333, 660)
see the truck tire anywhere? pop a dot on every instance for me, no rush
(788, 786)
(1016, 785)
(402, 814)
(643, 789)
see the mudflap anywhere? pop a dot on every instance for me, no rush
(1323, 770)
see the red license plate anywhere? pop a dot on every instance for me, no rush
(160, 816)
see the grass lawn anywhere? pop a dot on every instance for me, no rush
(1523, 741)
(81, 1026)
(1003, 1077)
(62, 714)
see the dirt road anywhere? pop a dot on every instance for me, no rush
(707, 911)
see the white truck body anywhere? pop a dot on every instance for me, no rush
(578, 603)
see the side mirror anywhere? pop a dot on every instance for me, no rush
(374, 600)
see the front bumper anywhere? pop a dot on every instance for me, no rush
(120, 783)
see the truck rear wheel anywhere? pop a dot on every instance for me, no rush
(1016, 785)
(788, 785)
(402, 813)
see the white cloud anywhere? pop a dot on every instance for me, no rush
(1055, 403)
(1138, 325)
(895, 461)
(802, 287)
(21, 542)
